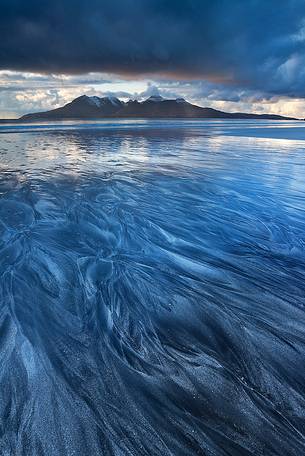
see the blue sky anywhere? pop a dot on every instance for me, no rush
(230, 54)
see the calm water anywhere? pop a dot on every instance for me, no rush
(152, 289)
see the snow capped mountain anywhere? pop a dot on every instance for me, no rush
(98, 101)
(115, 101)
(95, 101)
(93, 107)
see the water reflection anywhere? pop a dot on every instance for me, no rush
(152, 297)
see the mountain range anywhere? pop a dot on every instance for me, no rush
(85, 107)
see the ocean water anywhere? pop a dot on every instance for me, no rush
(152, 288)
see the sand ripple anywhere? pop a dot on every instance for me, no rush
(152, 295)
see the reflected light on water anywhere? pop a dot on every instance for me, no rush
(152, 288)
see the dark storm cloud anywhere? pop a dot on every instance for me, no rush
(254, 44)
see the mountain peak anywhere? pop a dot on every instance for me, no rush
(155, 98)
(113, 100)
(94, 107)
(80, 98)
(98, 101)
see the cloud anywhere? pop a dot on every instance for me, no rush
(153, 90)
(253, 45)
(23, 93)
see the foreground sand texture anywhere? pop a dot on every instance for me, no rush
(152, 289)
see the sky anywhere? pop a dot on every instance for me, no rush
(234, 55)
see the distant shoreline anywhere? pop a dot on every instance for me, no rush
(75, 119)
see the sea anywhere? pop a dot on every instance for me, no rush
(152, 291)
